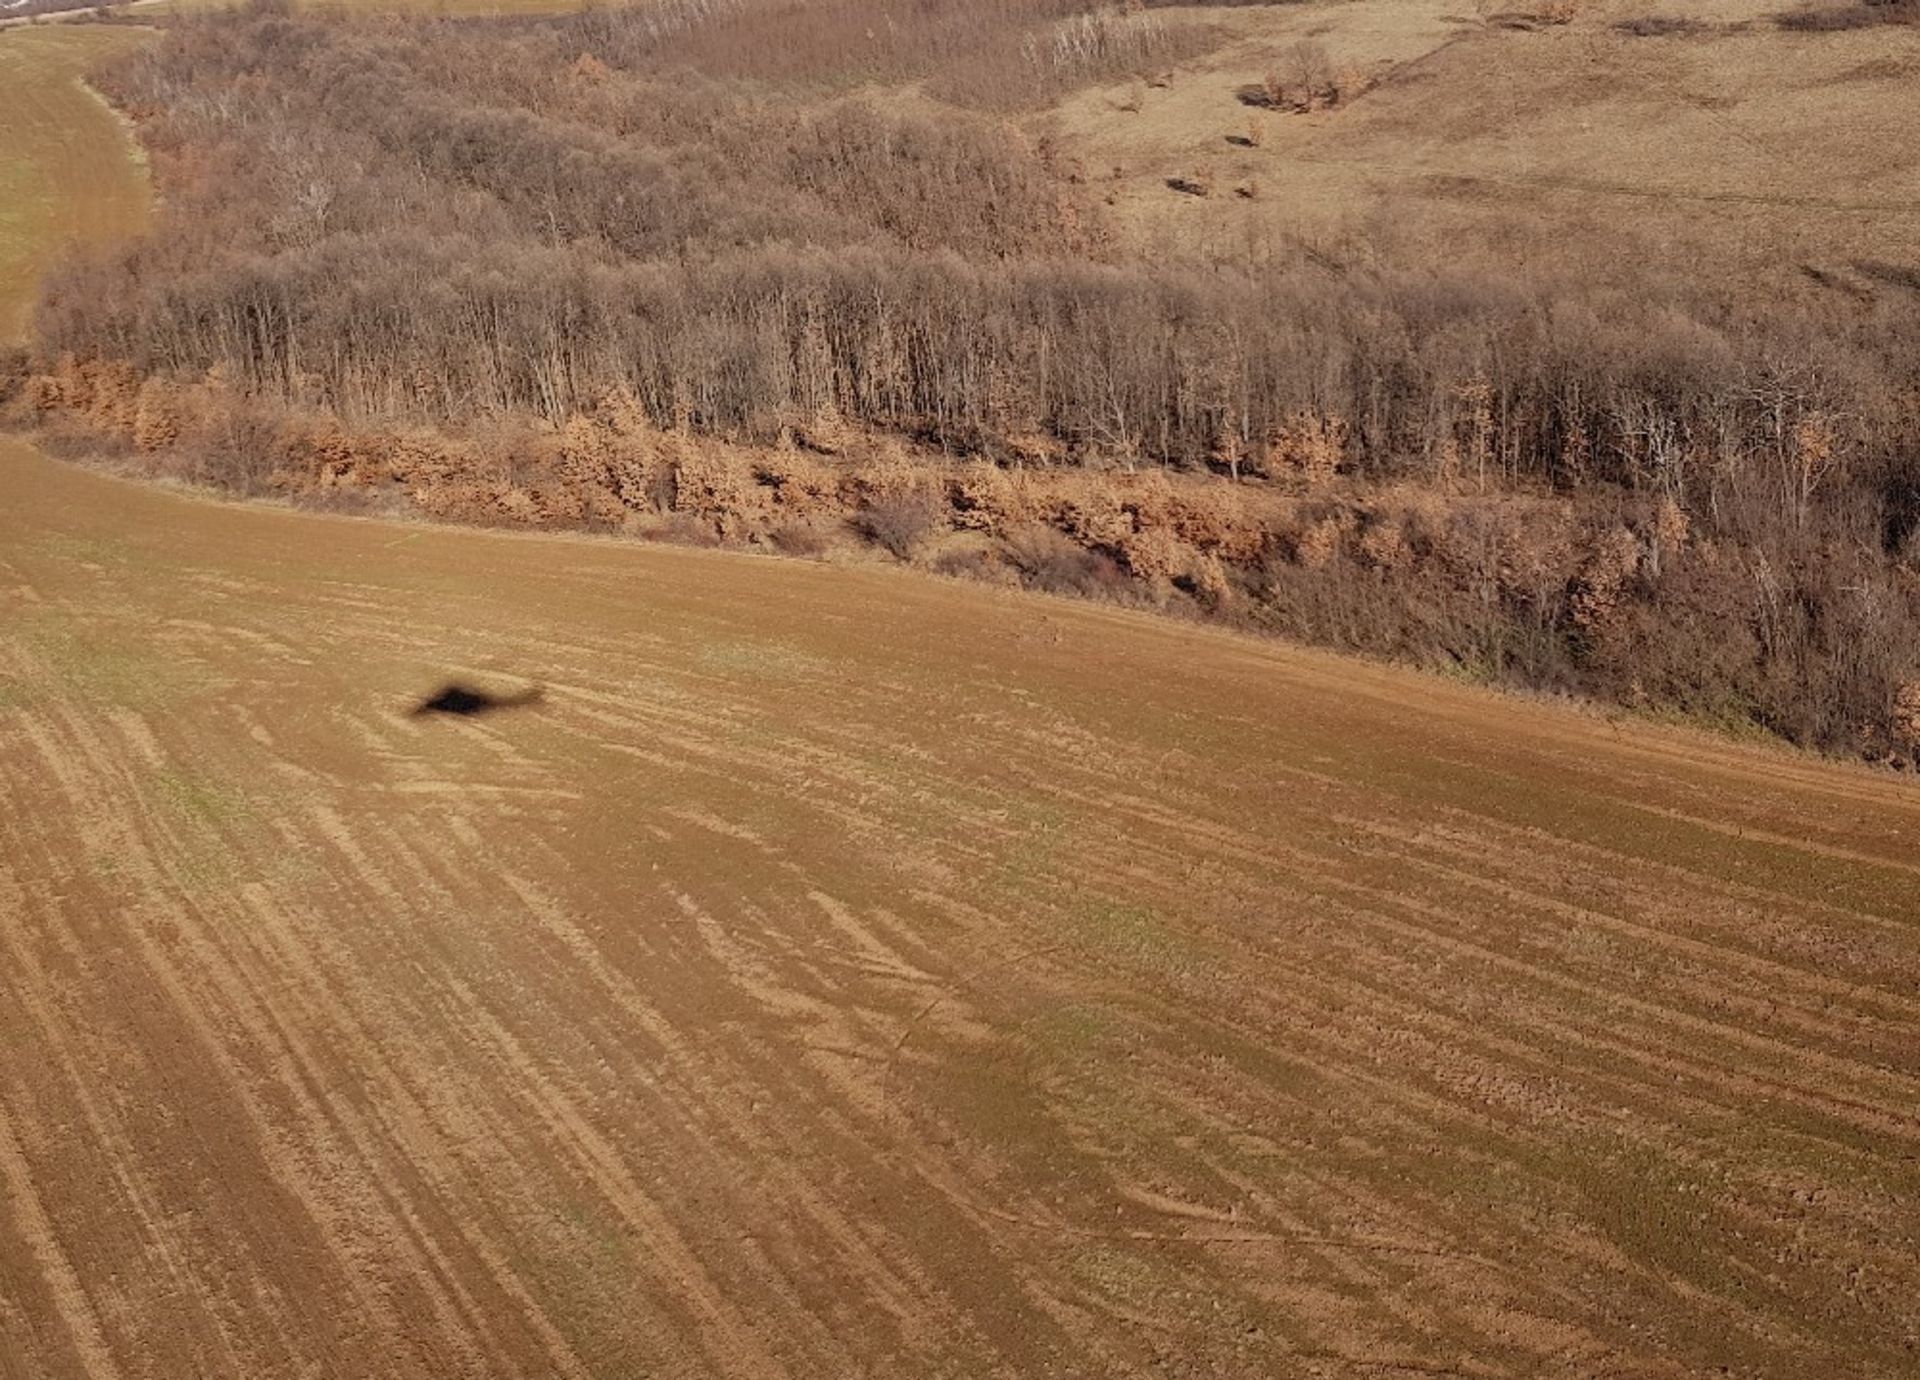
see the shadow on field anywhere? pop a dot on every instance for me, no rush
(464, 701)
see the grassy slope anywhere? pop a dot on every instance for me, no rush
(66, 173)
(1745, 151)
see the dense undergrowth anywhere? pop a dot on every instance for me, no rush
(789, 274)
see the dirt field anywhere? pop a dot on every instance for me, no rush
(65, 173)
(846, 973)
(843, 973)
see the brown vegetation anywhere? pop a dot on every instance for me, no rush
(598, 270)
(1303, 79)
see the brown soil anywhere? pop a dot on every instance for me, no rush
(843, 972)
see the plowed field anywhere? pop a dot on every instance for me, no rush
(842, 973)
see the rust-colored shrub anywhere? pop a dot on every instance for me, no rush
(44, 394)
(1307, 446)
(885, 471)
(1818, 455)
(1383, 545)
(1318, 545)
(1671, 530)
(1148, 496)
(987, 498)
(113, 389)
(708, 485)
(1206, 578)
(1153, 553)
(511, 507)
(827, 432)
(1097, 518)
(1598, 588)
(801, 487)
(156, 417)
(586, 449)
(1906, 711)
(589, 467)
(15, 369)
(590, 70)
(1215, 518)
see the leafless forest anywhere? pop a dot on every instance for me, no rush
(798, 274)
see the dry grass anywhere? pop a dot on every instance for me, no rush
(65, 174)
(1745, 151)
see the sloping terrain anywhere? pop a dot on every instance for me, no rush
(65, 170)
(839, 972)
(1746, 153)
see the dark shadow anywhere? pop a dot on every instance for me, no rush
(1858, 291)
(1187, 186)
(465, 701)
(1240, 141)
(1897, 275)
(1900, 501)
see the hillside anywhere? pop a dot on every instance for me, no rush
(429, 952)
(1587, 135)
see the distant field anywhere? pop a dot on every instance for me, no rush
(1744, 152)
(65, 173)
